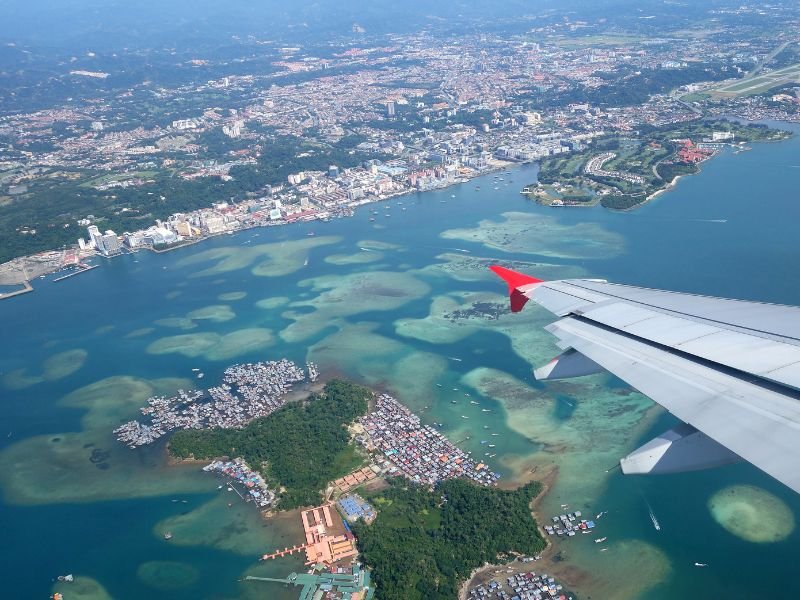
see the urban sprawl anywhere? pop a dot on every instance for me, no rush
(396, 114)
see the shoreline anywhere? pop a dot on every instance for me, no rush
(26, 287)
(547, 484)
(322, 215)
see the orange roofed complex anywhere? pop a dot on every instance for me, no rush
(326, 541)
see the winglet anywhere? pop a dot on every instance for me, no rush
(515, 281)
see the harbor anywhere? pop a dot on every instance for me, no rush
(248, 391)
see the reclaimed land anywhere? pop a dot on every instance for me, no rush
(644, 166)
(425, 543)
(301, 446)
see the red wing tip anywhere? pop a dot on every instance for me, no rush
(514, 279)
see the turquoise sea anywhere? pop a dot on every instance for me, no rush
(401, 302)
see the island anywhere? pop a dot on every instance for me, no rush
(377, 490)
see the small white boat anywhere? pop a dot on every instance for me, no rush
(600, 540)
(697, 564)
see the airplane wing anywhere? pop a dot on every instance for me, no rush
(729, 369)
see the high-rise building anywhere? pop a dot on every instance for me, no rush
(390, 109)
(333, 171)
(95, 237)
(111, 243)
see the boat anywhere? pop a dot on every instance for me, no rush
(305, 263)
(491, 445)
(453, 402)
(486, 410)
(603, 549)
(484, 441)
(310, 234)
(653, 519)
(452, 195)
(495, 434)
(463, 417)
(492, 455)
(168, 535)
(195, 369)
(697, 564)
(473, 402)
(438, 385)
(201, 375)
(600, 540)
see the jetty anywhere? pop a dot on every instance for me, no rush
(83, 268)
(26, 287)
(285, 552)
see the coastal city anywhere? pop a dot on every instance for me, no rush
(318, 136)
(263, 268)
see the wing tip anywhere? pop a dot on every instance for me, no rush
(515, 280)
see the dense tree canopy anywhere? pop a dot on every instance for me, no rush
(424, 544)
(302, 446)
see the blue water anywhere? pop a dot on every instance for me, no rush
(676, 242)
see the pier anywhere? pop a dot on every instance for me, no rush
(286, 551)
(77, 272)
